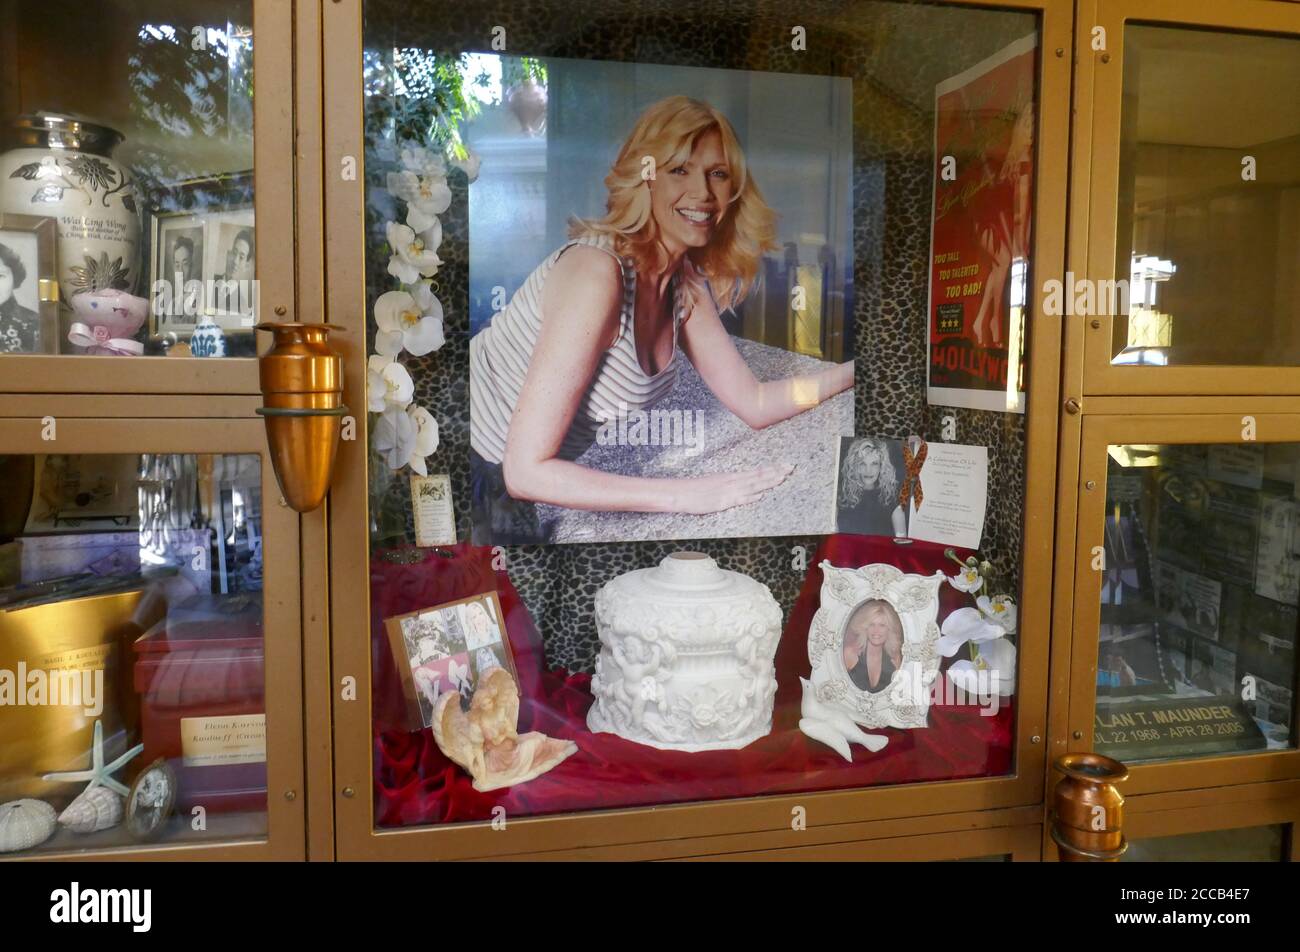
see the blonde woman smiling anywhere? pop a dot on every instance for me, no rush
(596, 328)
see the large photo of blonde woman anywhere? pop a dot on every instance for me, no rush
(676, 359)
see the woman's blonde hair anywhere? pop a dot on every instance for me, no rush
(894, 640)
(853, 478)
(667, 131)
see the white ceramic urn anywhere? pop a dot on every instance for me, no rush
(687, 655)
(63, 168)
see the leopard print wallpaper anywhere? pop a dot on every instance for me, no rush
(895, 53)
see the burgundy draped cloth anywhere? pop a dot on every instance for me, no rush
(416, 784)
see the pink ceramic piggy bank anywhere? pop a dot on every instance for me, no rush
(106, 322)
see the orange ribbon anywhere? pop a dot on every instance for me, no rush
(911, 488)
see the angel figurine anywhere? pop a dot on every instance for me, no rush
(485, 740)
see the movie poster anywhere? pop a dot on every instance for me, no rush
(980, 233)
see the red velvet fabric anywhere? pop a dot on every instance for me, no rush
(416, 784)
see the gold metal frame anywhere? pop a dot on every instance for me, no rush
(677, 823)
(46, 280)
(114, 433)
(1098, 433)
(1097, 148)
(273, 152)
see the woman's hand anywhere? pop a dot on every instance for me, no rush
(704, 494)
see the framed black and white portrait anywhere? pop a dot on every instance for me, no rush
(202, 257)
(29, 300)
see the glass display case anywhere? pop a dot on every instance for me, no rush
(129, 223)
(146, 705)
(652, 419)
(752, 462)
(1196, 158)
(1184, 649)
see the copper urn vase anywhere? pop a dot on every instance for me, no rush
(1088, 810)
(302, 393)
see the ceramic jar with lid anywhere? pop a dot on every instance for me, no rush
(63, 168)
(687, 655)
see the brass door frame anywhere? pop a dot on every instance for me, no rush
(1097, 148)
(281, 609)
(1099, 432)
(349, 527)
(951, 835)
(273, 168)
(1265, 804)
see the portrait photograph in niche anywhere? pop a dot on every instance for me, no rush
(660, 305)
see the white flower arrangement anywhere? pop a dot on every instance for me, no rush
(410, 317)
(983, 630)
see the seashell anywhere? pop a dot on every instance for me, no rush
(96, 808)
(24, 824)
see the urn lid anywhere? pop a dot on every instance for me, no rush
(688, 598)
(50, 130)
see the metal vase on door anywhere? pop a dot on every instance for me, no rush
(302, 393)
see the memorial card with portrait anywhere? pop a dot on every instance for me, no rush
(448, 647)
(911, 489)
(873, 646)
(660, 289)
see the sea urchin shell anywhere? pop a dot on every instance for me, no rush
(24, 824)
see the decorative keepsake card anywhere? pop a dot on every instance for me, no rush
(435, 519)
(911, 489)
(448, 647)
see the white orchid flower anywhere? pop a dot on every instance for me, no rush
(1000, 609)
(395, 434)
(426, 197)
(967, 580)
(413, 254)
(388, 384)
(423, 161)
(997, 658)
(469, 165)
(410, 320)
(406, 437)
(963, 625)
(426, 438)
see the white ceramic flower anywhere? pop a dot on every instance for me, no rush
(423, 161)
(426, 197)
(967, 580)
(997, 660)
(410, 320)
(963, 625)
(1000, 609)
(413, 254)
(388, 384)
(469, 165)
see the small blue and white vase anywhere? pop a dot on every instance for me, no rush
(208, 340)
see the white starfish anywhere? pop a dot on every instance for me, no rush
(99, 773)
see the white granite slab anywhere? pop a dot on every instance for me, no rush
(802, 505)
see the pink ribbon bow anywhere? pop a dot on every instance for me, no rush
(99, 341)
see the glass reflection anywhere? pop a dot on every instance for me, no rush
(1200, 587)
(1209, 199)
(131, 664)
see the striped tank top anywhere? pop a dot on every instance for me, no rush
(499, 356)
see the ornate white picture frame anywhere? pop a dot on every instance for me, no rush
(906, 670)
